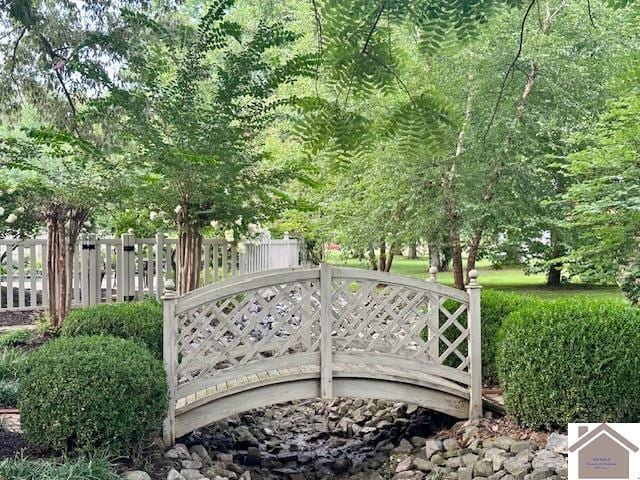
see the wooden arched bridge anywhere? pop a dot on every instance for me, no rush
(276, 336)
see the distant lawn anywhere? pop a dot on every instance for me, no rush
(511, 279)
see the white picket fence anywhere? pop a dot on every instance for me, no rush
(116, 269)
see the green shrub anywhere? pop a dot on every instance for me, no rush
(572, 360)
(11, 360)
(78, 469)
(14, 338)
(8, 393)
(138, 321)
(495, 306)
(88, 393)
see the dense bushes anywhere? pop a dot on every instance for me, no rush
(571, 360)
(495, 306)
(78, 469)
(138, 321)
(8, 393)
(11, 360)
(14, 338)
(92, 392)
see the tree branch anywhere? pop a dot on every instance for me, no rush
(510, 70)
(373, 28)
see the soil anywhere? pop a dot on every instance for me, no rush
(11, 444)
(16, 318)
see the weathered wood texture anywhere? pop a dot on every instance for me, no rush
(116, 269)
(280, 335)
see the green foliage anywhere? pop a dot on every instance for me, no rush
(8, 393)
(92, 393)
(66, 469)
(630, 280)
(11, 361)
(605, 195)
(15, 338)
(138, 321)
(495, 307)
(571, 361)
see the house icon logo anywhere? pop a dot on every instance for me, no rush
(602, 451)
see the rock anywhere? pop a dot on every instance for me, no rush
(432, 446)
(418, 441)
(174, 475)
(497, 476)
(191, 474)
(244, 438)
(409, 475)
(192, 464)
(214, 470)
(253, 456)
(202, 453)
(136, 475)
(404, 447)
(423, 465)
(450, 444)
(225, 458)
(558, 443)
(502, 442)
(341, 465)
(549, 460)
(404, 465)
(179, 451)
(437, 459)
(456, 453)
(519, 446)
(483, 468)
(469, 459)
(465, 473)
(517, 466)
(538, 474)
(454, 462)
(470, 432)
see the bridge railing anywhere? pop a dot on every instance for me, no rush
(322, 321)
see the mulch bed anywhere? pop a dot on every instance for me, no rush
(491, 427)
(12, 444)
(16, 318)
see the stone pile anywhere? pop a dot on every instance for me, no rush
(359, 440)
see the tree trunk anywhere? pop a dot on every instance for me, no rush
(383, 256)
(392, 252)
(56, 264)
(76, 218)
(189, 249)
(372, 259)
(435, 259)
(554, 275)
(412, 254)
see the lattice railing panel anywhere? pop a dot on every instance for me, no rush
(248, 327)
(396, 319)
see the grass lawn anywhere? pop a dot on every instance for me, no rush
(511, 279)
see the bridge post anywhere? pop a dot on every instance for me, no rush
(170, 357)
(326, 349)
(433, 319)
(475, 353)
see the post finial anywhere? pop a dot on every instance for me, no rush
(433, 271)
(473, 277)
(169, 288)
(130, 231)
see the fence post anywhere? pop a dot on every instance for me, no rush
(159, 273)
(326, 349)
(170, 357)
(433, 319)
(127, 266)
(91, 270)
(475, 353)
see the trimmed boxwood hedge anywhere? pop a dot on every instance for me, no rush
(573, 360)
(138, 321)
(90, 393)
(495, 307)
